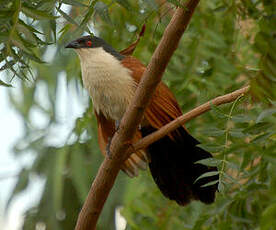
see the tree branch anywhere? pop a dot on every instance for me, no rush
(146, 141)
(110, 167)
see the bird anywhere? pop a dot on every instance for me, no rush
(111, 79)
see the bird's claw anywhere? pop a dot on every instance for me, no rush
(117, 125)
(107, 149)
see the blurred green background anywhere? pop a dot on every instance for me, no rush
(227, 45)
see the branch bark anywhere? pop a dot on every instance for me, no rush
(146, 141)
(121, 141)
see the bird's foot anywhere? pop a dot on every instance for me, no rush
(107, 149)
(130, 146)
(117, 125)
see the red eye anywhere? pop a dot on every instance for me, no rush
(89, 43)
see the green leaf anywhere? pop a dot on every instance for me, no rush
(7, 65)
(30, 28)
(232, 179)
(33, 57)
(176, 3)
(268, 217)
(67, 17)
(4, 84)
(207, 174)
(209, 162)
(4, 36)
(232, 165)
(88, 15)
(37, 14)
(211, 147)
(265, 113)
(218, 112)
(261, 138)
(210, 183)
(77, 162)
(124, 3)
(213, 131)
(200, 222)
(21, 185)
(237, 133)
(102, 10)
(257, 128)
(221, 186)
(240, 118)
(17, 41)
(74, 3)
(58, 182)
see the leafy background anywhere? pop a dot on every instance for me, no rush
(228, 44)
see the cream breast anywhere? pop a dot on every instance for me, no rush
(108, 82)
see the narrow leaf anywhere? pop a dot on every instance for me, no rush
(4, 84)
(265, 113)
(261, 138)
(124, 3)
(37, 14)
(213, 131)
(67, 17)
(210, 183)
(207, 174)
(74, 3)
(102, 10)
(240, 118)
(209, 162)
(257, 128)
(211, 147)
(236, 133)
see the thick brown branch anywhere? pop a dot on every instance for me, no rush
(110, 167)
(146, 141)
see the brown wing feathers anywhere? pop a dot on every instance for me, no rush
(138, 160)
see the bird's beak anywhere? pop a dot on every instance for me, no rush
(73, 44)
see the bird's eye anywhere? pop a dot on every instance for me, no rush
(89, 43)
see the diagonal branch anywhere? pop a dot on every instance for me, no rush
(146, 141)
(110, 167)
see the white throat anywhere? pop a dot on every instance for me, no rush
(108, 82)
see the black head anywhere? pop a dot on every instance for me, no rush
(93, 42)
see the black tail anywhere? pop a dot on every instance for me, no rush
(173, 169)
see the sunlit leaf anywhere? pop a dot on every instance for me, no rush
(37, 14)
(5, 84)
(207, 174)
(210, 183)
(67, 17)
(209, 162)
(74, 3)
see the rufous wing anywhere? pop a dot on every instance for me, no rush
(136, 161)
(163, 107)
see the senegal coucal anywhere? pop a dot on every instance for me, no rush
(111, 80)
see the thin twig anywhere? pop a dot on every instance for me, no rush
(146, 141)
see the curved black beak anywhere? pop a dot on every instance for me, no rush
(73, 44)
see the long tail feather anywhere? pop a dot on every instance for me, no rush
(173, 169)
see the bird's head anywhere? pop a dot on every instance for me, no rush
(87, 44)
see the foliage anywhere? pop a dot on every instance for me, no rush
(227, 45)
